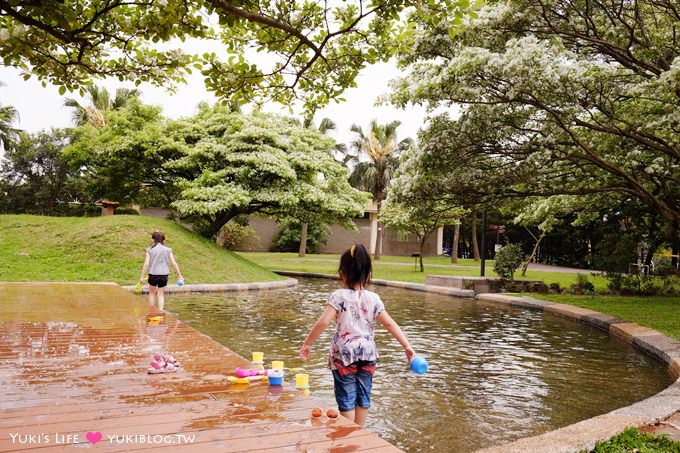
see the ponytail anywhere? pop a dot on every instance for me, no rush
(355, 266)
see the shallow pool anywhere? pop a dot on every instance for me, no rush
(496, 373)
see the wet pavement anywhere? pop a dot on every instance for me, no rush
(73, 361)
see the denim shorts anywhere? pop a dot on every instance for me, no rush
(353, 390)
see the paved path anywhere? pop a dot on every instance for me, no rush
(73, 360)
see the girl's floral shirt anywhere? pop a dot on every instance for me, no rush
(356, 313)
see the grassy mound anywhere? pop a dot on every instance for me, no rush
(111, 249)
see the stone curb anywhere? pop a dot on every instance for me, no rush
(222, 287)
(584, 434)
(455, 292)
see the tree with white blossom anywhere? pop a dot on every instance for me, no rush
(413, 206)
(558, 98)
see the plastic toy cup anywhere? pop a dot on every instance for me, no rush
(419, 365)
(180, 282)
(155, 320)
(302, 381)
(258, 357)
(275, 377)
(277, 364)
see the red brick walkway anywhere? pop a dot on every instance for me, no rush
(73, 361)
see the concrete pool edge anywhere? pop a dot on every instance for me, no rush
(222, 287)
(455, 292)
(586, 433)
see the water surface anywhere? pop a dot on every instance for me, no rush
(496, 373)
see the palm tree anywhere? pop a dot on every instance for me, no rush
(373, 175)
(101, 102)
(8, 134)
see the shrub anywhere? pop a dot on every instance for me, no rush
(584, 285)
(639, 284)
(663, 266)
(235, 235)
(615, 253)
(288, 237)
(508, 259)
(126, 211)
(555, 288)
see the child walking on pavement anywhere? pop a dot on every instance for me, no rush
(353, 355)
(156, 264)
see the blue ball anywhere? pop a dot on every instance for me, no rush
(180, 282)
(419, 365)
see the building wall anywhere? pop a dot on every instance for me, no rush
(405, 245)
(158, 213)
(342, 239)
(339, 241)
(266, 230)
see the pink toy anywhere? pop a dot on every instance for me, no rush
(241, 373)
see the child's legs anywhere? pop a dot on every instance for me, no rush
(152, 295)
(364, 384)
(360, 415)
(156, 285)
(353, 394)
(161, 298)
(345, 393)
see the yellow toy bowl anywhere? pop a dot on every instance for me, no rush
(155, 320)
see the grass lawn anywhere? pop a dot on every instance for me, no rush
(633, 441)
(110, 249)
(661, 313)
(402, 268)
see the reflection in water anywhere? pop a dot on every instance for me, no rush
(496, 374)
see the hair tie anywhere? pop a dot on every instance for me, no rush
(351, 251)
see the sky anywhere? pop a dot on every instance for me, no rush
(42, 108)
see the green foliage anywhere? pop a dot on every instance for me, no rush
(101, 102)
(287, 239)
(215, 166)
(126, 211)
(235, 235)
(549, 110)
(584, 285)
(615, 253)
(508, 259)
(316, 51)
(410, 206)
(8, 134)
(36, 178)
(374, 157)
(242, 164)
(124, 156)
(632, 440)
(640, 284)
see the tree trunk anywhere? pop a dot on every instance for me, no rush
(473, 227)
(303, 240)
(422, 245)
(217, 224)
(672, 236)
(533, 253)
(454, 245)
(378, 245)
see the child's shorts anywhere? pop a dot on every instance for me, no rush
(354, 389)
(159, 281)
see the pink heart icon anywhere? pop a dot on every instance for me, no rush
(93, 437)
